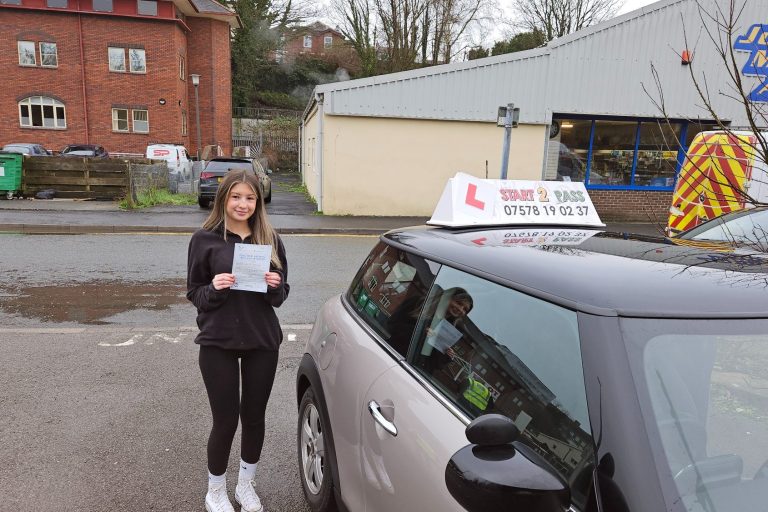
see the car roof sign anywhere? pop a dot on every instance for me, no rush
(471, 201)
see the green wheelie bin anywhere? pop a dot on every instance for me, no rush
(10, 173)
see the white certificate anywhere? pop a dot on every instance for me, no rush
(444, 336)
(249, 265)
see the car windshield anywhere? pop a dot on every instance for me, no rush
(18, 149)
(81, 152)
(218, 165)
(749, 227)
(703, 388)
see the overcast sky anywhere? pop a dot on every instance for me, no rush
(631, 5)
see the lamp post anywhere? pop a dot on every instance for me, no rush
(196, 83)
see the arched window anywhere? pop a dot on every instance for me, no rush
(42, 112)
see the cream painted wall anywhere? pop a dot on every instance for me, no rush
(378, 166)
(309, 170)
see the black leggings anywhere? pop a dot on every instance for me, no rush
(221, 375)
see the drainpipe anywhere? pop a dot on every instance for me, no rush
(321, 114)
(301, 151)
(82, 72)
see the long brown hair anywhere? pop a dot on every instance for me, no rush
(262, 232)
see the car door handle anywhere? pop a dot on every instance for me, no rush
(387, 425)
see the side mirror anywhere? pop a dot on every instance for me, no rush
(491, 474)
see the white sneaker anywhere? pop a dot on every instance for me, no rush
(217, 501)
(246, 496)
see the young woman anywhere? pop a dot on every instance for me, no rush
(239, 333)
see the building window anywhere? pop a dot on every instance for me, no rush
(62, 4)
(27, 53)
(328, 41)
(619, 153)
(147, 7)
(141, 121)
(48, 55)
(183, 122)
(182, 68)
(102, 5)
(307, 41)
(120, 119)
(116, 59)
(138, 60)
(42, 112)
(10, 2)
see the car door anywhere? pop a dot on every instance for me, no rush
(403, 453)
(477, 348)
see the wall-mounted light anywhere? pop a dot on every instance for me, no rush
(161, 101)
(566, 125)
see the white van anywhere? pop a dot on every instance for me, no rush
(176, 157)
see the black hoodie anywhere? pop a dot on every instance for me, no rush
(232, 319)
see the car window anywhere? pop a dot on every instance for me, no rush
(216, 165)
(388, 293)
(488, 348)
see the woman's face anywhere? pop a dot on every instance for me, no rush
(458, 308)
(241, 203)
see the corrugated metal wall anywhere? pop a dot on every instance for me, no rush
(600, 70)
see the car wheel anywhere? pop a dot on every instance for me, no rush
(314, 464)
(203, 202)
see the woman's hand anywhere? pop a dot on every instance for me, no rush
(221, 281)
(273, 279)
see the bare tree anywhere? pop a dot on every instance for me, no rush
(359, 28)
(556, 18)
(722, 30)
(452, 19)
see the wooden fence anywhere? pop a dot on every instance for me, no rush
(91, 178)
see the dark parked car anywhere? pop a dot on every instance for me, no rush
(85, 150)
(744, 228)
(540, 368)
(26, 148)
(215, 170)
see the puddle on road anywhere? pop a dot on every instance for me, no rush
(90, 303)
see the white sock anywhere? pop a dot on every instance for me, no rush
(247, 471)
(216, 480)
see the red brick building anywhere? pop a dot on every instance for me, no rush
(115, 72)
(319, 41)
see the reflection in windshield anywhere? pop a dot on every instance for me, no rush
(709, 398)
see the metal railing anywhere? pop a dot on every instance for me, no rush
(264, 113)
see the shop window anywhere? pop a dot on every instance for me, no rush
(307, 41)
(61, 4)
(141, 121)
(568, 149)
(27, 53)
(328, 41)
(42, 112)
(147, 7)
(48, 55)
(102, 5)
(120, 119)
(657, 153)
(116, 59)
(613, 152)
(138, 60)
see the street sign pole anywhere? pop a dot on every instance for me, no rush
(508, 117)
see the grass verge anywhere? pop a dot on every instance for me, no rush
(155, 197)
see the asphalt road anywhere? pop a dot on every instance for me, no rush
(113, 419)
(139, 280)
(102, 405)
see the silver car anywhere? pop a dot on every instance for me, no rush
(538, 369)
